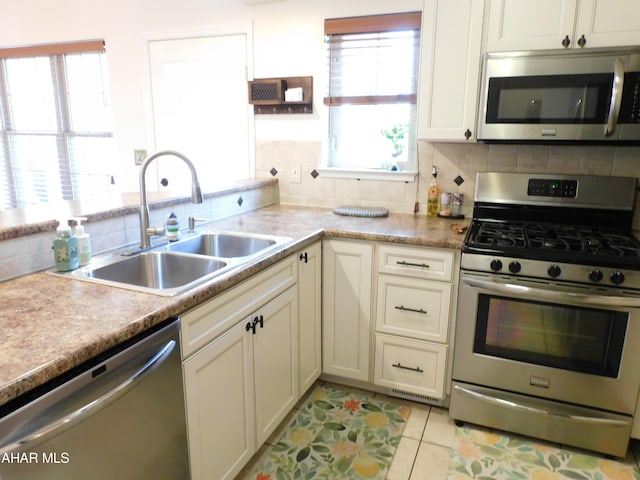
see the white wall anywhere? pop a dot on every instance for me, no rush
(287, 37)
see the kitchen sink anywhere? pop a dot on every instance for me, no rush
(174, 268)
(222, 244)
(164, 271)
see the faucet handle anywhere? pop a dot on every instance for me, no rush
(156, 231)
(192, 222)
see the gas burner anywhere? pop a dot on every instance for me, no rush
(572, 242)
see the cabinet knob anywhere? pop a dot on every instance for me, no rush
(582, 41)
(251, 326)
(566, 41)
(467, 134)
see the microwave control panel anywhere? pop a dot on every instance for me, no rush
(552, 188)
(630, 106)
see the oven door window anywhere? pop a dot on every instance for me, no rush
(561, 336)
(549, 99)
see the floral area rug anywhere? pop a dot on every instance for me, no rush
(483, 455)
(337, 434)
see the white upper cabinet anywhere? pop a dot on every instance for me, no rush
(552, 24)
(449, 69)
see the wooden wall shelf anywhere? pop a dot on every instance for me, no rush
(267, 95)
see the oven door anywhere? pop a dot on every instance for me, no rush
(549, 340)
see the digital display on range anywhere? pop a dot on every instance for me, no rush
(552, 188)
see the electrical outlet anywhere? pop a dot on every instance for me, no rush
(139, 156)
(295, 174)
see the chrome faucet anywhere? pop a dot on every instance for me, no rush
(146, 231)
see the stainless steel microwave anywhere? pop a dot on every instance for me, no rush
(572, 96)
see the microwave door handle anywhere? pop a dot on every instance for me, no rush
(616, 97)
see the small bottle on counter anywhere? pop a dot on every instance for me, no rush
(432, 194)
(172, 227)
(84, 241)
(65, 249)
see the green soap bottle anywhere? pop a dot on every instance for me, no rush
(65, 249)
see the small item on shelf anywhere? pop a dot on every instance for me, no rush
(293, 94)
(432, 194)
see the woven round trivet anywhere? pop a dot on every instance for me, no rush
(361, 211)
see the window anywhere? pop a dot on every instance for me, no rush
(55, 124)
(372, 69)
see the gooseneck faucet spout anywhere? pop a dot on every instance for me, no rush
(146, 231)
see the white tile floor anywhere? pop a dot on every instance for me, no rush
(425, 447)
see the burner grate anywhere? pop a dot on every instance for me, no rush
(585, 241)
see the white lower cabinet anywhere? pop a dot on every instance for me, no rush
(219, 386)
(346, 308)
(310, 311)
(413, 313)
(241, 384)
(411, 366)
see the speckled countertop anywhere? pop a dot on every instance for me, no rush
(51, 324)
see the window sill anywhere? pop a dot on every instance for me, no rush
(406, 176)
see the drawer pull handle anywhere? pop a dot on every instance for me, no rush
(407, 309)
(399, 365)
(410, 264)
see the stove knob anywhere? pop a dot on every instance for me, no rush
(595, 276)
(495, 265)
(617, 278)
(554, 271)
(515, 267)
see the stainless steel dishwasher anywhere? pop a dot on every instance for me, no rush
(119, 416)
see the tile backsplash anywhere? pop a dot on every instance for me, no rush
(452, 159)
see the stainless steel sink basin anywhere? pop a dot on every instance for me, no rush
(226, 245)
(161, 273)
(177, 267)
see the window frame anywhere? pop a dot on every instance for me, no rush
(56, 57)
(372, 24)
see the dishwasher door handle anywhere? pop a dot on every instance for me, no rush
(96, 405)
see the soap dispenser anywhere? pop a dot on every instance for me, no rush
(84, 241)
(65, 249)
(172, 227)
(432, 194)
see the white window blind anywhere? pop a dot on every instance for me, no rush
(372, 68)
(55, 118)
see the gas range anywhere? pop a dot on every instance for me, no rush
(567, 228)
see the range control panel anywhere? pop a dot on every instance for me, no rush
(552, 188)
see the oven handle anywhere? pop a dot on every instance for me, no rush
(501, 402)
(557, 295)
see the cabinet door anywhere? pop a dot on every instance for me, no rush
(275, 361)
(309, 320)
(449, 69)
(346, 315)
(219, 394)
(608, 23)
(530, 24)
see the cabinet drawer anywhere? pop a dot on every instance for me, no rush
(209, 320)
(410, 365)
(413, 308)
(430, 263)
